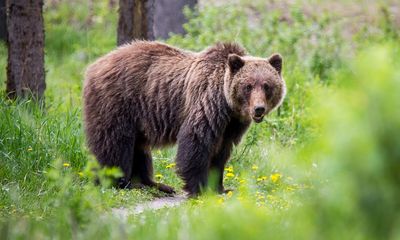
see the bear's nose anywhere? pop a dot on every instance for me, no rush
(259, 110)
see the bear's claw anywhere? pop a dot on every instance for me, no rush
(165, 188)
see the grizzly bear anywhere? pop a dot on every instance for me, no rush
(145, 95)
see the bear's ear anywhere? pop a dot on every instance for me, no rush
(235, 62)
(276, 61)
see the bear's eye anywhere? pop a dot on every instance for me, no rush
(249, 87)
(268, 90)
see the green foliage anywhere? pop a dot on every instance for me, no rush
(359, 152)
(324, 166)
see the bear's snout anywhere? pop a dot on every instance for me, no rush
(259, 111)
(257, 104)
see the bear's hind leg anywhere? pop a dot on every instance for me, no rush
(142, 170)
(126, 162)
(116, 153)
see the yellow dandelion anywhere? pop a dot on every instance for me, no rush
(229, 194)
(171, 165)
(229, 169)
(29, 149)
(80, 174)
(220, 200)
(159, 176)
(66, 164)
(230, 175)
(275, 177)
(254, 167)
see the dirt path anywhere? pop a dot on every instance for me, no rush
(158, 203)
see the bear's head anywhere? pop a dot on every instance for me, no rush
(254, 86)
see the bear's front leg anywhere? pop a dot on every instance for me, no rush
(218, 163)
(193, 157)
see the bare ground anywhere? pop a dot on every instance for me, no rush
(156, 204)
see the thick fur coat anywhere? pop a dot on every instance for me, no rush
(148, 94)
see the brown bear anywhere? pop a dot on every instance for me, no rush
(145, 95)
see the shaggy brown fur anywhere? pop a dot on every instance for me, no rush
(149, 94)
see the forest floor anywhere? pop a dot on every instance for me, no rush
(155, 204)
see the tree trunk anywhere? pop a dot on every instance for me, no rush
(25, 70)
(135, 20)
(169, 17)
(3, 26)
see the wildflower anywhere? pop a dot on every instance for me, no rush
(29, 149)
(66, 164)
(275, 177)
(80, 174)
(229, 194)
(229, 169)
(254, 167)
(230, 175)
(171, 165)
(220, 200)
(262, 178)
(159, 176)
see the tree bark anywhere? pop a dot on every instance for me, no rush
(135, 20)
(25, 70)
(169, 17)
(3, 26)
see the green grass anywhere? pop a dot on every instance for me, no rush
(325, 165)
